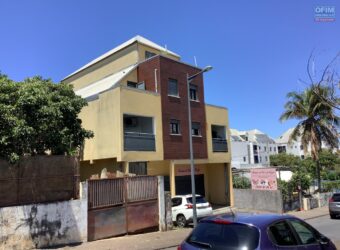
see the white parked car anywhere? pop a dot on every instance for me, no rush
(182, 212)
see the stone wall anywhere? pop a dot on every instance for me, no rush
(44, 225)
(270, 201)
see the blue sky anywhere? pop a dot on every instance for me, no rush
(259, 49)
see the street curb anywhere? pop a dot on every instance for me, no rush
(166, 247)
(317, 216)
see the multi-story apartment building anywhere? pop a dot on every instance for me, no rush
(138, 111)
(294, 147)
(251, 149)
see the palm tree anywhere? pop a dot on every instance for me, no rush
(318, 121)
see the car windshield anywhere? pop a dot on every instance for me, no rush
(199, 199)
(210, 235)
(336, 197)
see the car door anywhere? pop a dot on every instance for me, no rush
(282, 236)
(308, 237)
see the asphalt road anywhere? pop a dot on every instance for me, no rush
(328, 227)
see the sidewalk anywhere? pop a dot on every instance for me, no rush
(164, 240)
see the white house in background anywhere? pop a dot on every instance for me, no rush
(293, 147)
(251, 149)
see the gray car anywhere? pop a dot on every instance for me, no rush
(334, 205)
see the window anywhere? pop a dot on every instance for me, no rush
(260, 158)
(199, 200)
(176, 201)
(193, 92)
(244, 159)
(174, 127)
(140, 85)
(149, 54)
(132, 84)
(223, 236)
(302, 157)
(196, 129)
(266, 157)
(281, 235)
(265, 149)
(138, 168)
(301, 147)
(274, 149)
(173, 87)
(270, 149)
(259, 147)
(305, 233)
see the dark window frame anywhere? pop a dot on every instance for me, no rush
(193, 92)
(173, 130)
(171, 87)
(148, 54)
(195, 128)
(138, 168)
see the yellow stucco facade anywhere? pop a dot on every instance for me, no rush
(123, 58)
(217, 116)
(104, 116)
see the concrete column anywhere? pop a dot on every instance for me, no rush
(230, 184)
(206, 169)
(172, 176)
(161, 204)
(126, 167)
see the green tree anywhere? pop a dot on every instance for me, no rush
(317, 121)
(38, 116)
(241, 182)
(284, 160)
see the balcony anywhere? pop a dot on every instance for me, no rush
(138, 133)
(219, 145)
(218, 134)
(134, 141)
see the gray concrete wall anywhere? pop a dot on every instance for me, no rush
(270, 201)
(44, 225)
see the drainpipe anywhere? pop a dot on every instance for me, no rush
(156, 83)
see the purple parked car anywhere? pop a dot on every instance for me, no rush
(255, 231)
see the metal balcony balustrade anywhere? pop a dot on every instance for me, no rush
(220, 145)
(136, 141)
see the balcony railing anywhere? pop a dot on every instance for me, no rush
(220, 145)
(134, 141)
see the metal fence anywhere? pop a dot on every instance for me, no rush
(122, 205)
(111, 192)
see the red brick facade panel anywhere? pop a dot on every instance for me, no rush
(177, 146)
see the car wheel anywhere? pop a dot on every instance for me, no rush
(333, 216)
(181, 221)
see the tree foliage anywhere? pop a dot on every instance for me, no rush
(284, 160)
(241, 182)
(38, 117)
(318, 121)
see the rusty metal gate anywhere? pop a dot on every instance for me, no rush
(121, 206)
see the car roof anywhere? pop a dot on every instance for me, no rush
(186, 196)
(257, 220)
